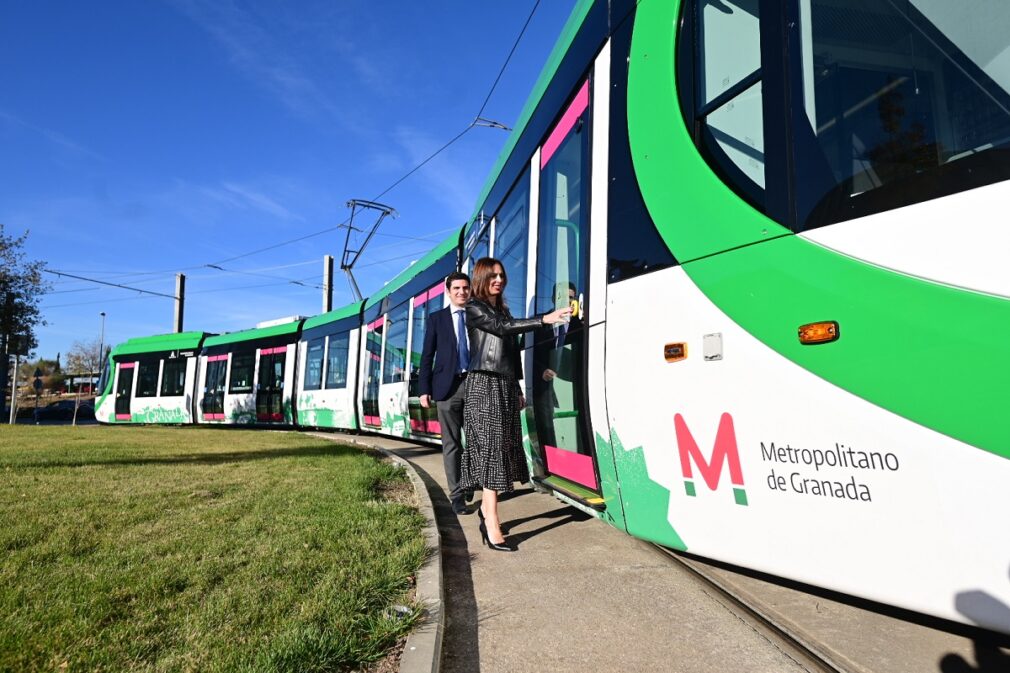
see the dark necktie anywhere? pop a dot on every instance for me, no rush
(461, 342)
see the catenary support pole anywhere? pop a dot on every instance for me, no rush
(180, 301)
(327, 283)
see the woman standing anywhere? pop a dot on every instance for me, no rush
(493, 457)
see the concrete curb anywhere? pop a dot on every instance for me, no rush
(422, 652)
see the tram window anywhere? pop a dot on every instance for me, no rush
(885, 103)
(336, 361)
(242, 365)
(420, 323)
(173, 377)
(727, 92)
(562, 244)
(896, 91)
(105, 377)
(478, 244)
(396, 344)
(147, 379)
(313, 377)
(511, 241)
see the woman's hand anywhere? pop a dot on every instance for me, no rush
(559, 316)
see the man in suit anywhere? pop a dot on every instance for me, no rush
(444, 361)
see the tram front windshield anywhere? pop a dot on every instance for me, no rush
(890, 101)
(897, 88)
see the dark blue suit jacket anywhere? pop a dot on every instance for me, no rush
(439, 346)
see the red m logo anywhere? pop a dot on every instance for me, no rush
(725, 450)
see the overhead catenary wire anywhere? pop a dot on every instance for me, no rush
(190, 292)
(505, 64)
(478, 120)
(102, 282)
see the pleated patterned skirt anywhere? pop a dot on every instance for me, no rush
(492, 454)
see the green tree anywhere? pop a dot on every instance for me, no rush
(21, 290)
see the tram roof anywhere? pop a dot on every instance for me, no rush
(405, 276)
(255, 333)
(160, 342)
(333, 316)
(561, 47)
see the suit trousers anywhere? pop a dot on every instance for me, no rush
(450, 418)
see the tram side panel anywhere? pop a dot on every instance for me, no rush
(161, 391)
(736, 453)
(148, 388)
(327, 381)
(249, 385)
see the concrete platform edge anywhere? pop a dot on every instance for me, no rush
(423, 650)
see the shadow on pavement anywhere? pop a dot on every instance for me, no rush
(562, 516)
(460, 646)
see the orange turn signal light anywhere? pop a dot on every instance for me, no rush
(675, 352)
(819, 332)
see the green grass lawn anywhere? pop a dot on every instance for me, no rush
(186, 549)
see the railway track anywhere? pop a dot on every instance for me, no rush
(798, 646)
(822, 634)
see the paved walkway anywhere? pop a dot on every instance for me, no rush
(578, 595)
(582, 596)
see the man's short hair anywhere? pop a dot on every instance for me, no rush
(456, 275)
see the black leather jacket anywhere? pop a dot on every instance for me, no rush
(494, 343)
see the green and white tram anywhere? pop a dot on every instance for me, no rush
(780, 222)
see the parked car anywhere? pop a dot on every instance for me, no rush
(63, 410)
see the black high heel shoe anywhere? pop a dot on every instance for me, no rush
(491, 545)
(503, 528)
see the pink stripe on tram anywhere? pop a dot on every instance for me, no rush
(570, 465)
(435, 291)
(416, 425)
(566, 124)
(123, 417)
(434, 427)
(217, 358)
(420, 299)
(375, 324)
(127, 365)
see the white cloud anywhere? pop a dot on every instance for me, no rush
(51, 136)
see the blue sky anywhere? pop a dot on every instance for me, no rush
(145, 138)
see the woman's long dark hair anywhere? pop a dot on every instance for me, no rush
(481, 276)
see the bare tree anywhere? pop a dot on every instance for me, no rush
(84, 357)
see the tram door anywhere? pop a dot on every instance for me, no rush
(270, 388)
(124, 390)
(373, 361)
(213, 389)
(426, 303)
(560, 401)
